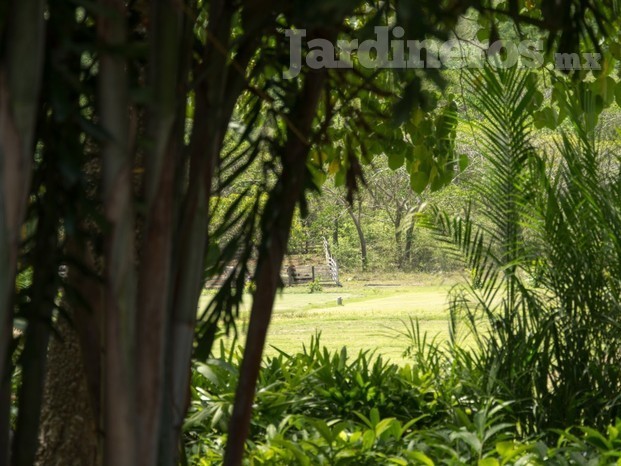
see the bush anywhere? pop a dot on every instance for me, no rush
(315, 286)
(318, 407)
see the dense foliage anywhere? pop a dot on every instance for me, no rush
(542, 302)
(539, 381)
(326, 407)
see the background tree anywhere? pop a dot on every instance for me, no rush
(392, 195)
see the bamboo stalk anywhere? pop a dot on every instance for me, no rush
(120, 287)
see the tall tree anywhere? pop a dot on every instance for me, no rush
(21, 63)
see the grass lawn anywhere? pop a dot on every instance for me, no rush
(372, 315)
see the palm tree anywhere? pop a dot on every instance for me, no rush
(550, 347)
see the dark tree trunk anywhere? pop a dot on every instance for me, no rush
(69, 427)
(282, 203)
(155, 265)
(361, 238)
(22, 39)
(119, 365)
(409, 242)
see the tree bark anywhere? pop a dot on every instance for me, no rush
(69, 433)
(155, 262)
(210, 122)
(335, 233)
(120, 297)
(216, 97)
(409, 241)
(398, 236)
(361, 237)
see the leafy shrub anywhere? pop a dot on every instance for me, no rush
(318, 407)
(315, 286)
(313, 382)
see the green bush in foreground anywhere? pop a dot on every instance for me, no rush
(318, 407)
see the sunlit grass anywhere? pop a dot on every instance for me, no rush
(372, 316)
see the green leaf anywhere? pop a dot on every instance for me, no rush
(510, 449)
(488, 462)
(323, 430)
(469, 438)
(207, 372)
(545, 118)
(318, 175)
(368, 439)
(396, 159)
(374, 416)
(606, 88)
(463, 162)
(334, 167)
(364, 419)
(505, 448)
(338, 428)
(339, 179)
(463, 418)
(419, 181)
(383, 425)
(597, 439)
(537, 99)
(421, 153)
(421, 458)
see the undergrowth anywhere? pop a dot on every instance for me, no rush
(321, 407)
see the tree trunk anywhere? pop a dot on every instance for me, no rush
(155, 263)
(120, 281)
(361, 238)
(21, 63)
(282, 204)
(409, 242)
(216, 97)
(398, 237)
(69, 433)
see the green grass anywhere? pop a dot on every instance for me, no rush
(371, 318)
